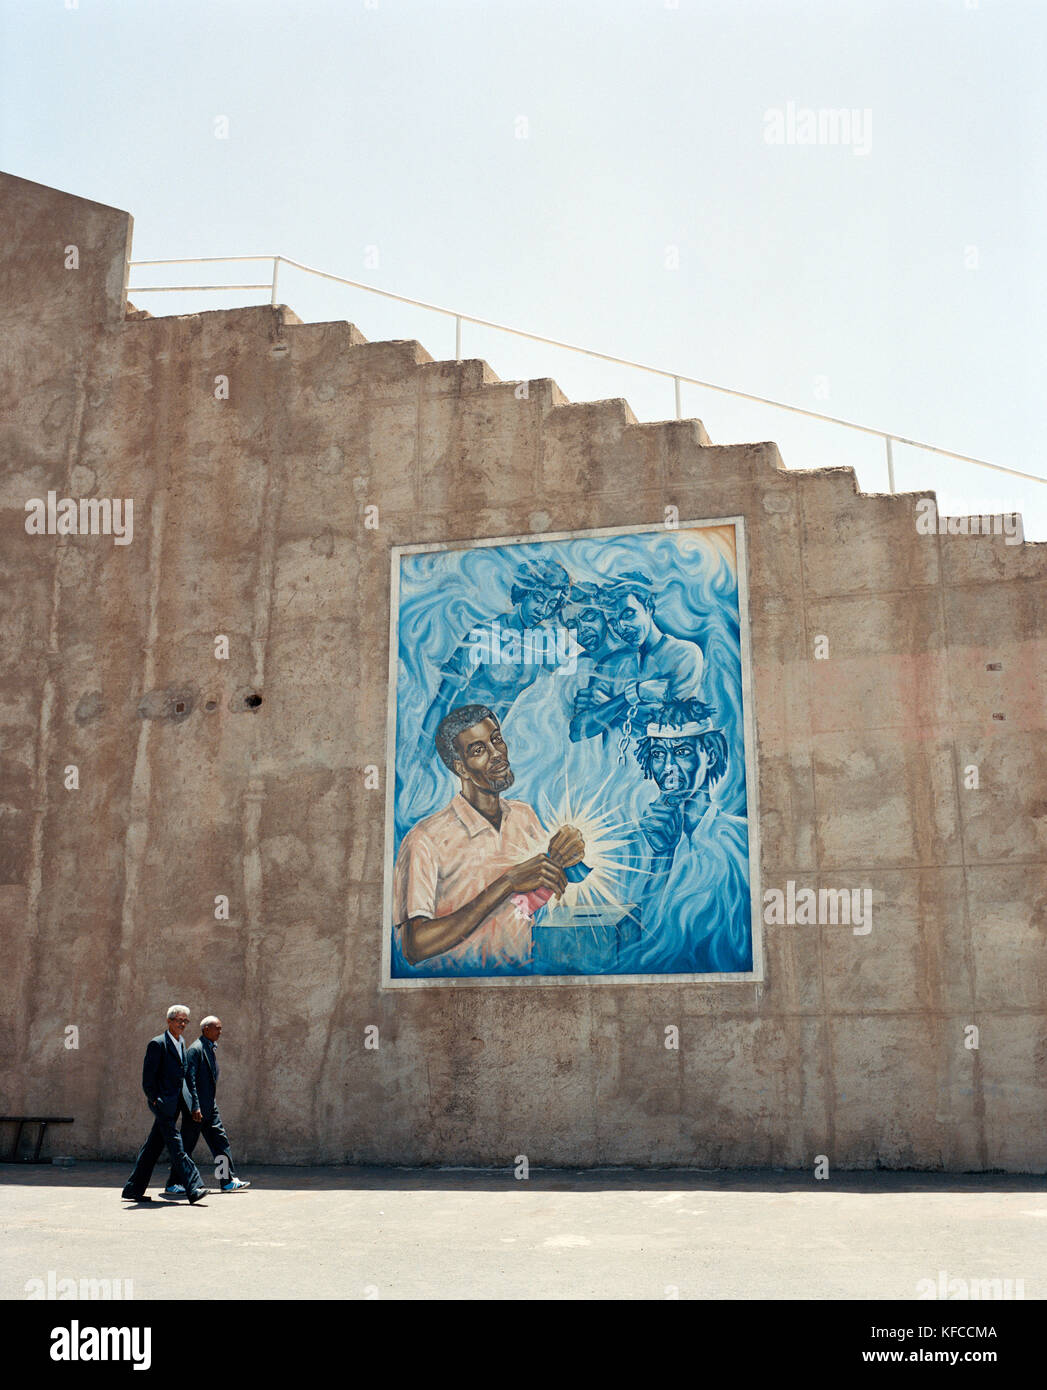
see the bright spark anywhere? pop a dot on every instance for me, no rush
(606, 855)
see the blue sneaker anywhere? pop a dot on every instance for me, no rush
(235, 1185)
(174, 1190)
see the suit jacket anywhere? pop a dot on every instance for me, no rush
(165, 1080)
(202, 1075)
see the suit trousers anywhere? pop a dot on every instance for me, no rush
(213, 1130)
(165, 1133)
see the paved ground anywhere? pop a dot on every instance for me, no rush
(465, 1234)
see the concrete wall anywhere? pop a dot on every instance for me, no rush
(249, 521)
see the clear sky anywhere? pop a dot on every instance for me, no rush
(630, 175)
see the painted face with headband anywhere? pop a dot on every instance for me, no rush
(678, 762)
(681, 750)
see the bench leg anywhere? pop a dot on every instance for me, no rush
(40, 1142)
(18, 1142)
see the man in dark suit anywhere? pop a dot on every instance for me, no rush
(168, 1093)
(202, 1074)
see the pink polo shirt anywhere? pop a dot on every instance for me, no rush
(447, 860)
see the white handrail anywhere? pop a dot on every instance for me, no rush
(677, 378)
(173, 289)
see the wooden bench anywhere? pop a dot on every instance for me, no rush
(43, 1121)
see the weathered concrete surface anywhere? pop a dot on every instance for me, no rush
(249, 521)
(401, 1234)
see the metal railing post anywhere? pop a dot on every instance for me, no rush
(677, 379)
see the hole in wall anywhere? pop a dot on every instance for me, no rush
(180, 707)
(245, 700)
(211, 706)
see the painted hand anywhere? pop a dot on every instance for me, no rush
(532, 874)
(567, 847)
(588, 697)
(662, 826)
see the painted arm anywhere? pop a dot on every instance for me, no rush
(424, 937)
(607, 712)
(686, 680)
(446, 698)
(588, 722)
(662, 828)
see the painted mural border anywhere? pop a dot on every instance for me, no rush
(756, 975)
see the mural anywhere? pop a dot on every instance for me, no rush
(571, 759)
